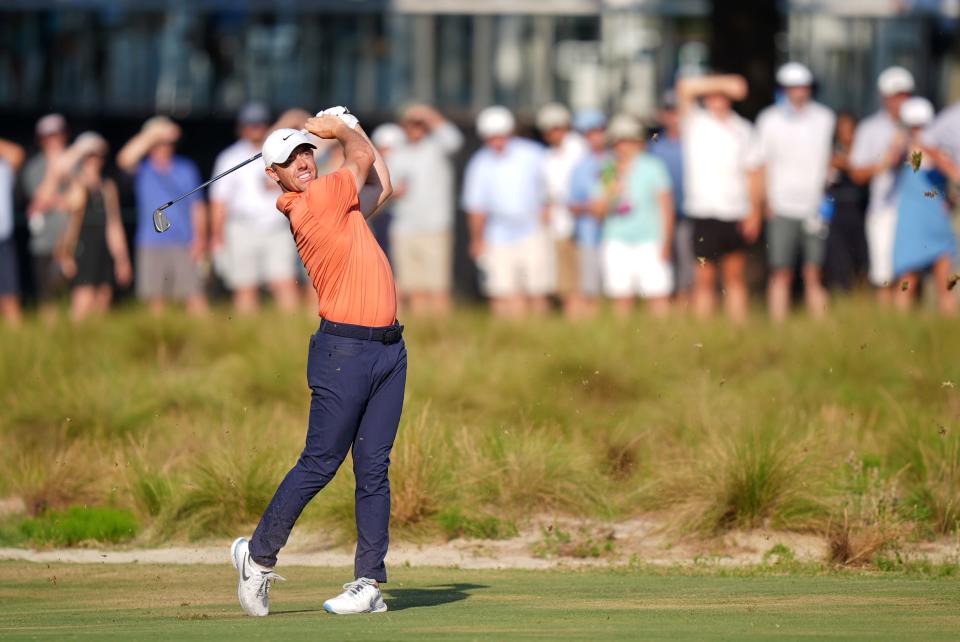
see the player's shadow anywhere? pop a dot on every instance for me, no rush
(398, 599)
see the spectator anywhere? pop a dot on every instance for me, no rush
(251, 238)
(718, 193)
(846, 261)
(591, 123)
(877, 152)
(11, 158)
(389, 140)
(636, 202)
(792, 152)
(668, 147)
(46, 217)
(168, 264)
(564, 149)
(421, 233)
(924, 238)
(94, 248)
(944, 133)
(504, 196)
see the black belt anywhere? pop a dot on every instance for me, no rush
(387, 335)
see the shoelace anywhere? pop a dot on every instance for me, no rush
(354, 587)
(266, 579)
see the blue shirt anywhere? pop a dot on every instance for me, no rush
(583, 184)
(153, 188)
(507, 187)
(670, 151)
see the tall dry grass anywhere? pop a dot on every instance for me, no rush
(192, 423)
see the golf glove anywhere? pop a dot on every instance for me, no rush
(343, 113)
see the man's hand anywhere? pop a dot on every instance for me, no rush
(477, 248)
(324, 125)
(750, 227)
(123, 272)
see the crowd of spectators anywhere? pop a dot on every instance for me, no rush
(597, 209)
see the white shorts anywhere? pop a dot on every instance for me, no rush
(525, 267)
(881, 228)
(635, 269)
(253, 257)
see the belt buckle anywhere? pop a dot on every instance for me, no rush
(391, 335)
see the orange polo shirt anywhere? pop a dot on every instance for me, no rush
(350, 272)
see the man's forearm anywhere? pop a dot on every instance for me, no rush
(131, 153)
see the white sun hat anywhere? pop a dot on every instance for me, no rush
(389, 136)
(552, 116)
(281, 143)
(495, 121)
(624, 127)
(895, 80)
(916, 112)
(794, 74)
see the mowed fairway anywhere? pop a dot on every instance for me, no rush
(198, 602)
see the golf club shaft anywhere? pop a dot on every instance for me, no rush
(217, 177)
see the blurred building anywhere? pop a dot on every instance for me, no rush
(204, 58)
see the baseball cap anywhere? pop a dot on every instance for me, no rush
(586, 119)
(895, 80)
(281, 143)
(495, 121)
(51, 124)
(624, 127)
(161, 121)
(93, 141)
(794, 74)
(551, 116)
(916, 112)
(253, 114)
(389, 135)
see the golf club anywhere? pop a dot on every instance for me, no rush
(160, 221)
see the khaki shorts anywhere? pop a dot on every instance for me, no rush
(167, 273)
(253, 257)
(422, 262)
(525, 267)
(568, 266)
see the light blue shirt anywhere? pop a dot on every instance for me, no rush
(670, 151)
(507, 187)
(637, 218)
(583, 184)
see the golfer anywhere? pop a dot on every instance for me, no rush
(357, 363)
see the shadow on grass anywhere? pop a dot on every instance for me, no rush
(319, 609)
(398, 599)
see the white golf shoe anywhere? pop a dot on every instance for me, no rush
(253, 587)
(359, 596)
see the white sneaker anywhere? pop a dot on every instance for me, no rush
(253, 588)
(359, 596)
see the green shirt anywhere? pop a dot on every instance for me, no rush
(636, 218)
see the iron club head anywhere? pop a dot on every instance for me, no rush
(160, 221)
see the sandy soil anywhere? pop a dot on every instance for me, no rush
(539, 547)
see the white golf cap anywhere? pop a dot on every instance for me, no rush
(553, 115)
(794, 74)
(624, 127)
(389, 136)
(51, 124)
(281, 143)
(495, 121)
(916, 112)
(895, 80)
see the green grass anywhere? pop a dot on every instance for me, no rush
(108, 602)
(847, 427)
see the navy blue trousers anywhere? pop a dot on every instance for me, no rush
(356, 398)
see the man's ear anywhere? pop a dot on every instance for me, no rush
(272, 174)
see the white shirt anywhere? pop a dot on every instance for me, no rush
(871, 142)
(6, 200)
(715, 163)
(794, 148)
(248, 194)
(945, 132)
(425, 172)
(558, 164)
